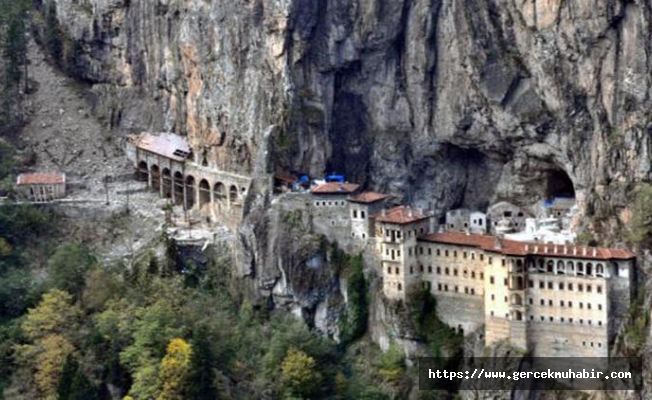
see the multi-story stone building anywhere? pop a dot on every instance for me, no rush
(41, 187)
(551, 299)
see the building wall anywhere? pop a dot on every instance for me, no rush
(555, 309)
(330, 217)
(362, 225)
(42, 192)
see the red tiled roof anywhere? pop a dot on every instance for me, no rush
(168, 145)
(514, 248)
(41, 179)
(334, 188)
(285, 178)
(401, 215)
(368, 197)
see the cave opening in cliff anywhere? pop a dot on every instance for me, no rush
(558, 184)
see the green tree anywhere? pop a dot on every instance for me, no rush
(67, 267)
(353, 323)
(73, 384)
(55, 314)
(642, 216)
(201, 375)
(53, 32)
(299, 373)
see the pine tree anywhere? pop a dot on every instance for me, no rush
(53, 32)
(67, 375)
(202, 375)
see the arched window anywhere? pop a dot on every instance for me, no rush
(143, 172)
(599, 270)
(204, 192)
(550, 265)
(233, 194)
(167, 183)
(156, 177)
(580, 268)
(570, 268)
(190, 192)
(178, 188)
(589, 269)
(219, 192)
(561, 268)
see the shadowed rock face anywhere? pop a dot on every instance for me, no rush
(383, 90)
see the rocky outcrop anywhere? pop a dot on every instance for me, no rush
(441, 102)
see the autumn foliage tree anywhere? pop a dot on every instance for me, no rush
(174, 369)
(298, 372)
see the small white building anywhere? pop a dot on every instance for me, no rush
(41, 187)
(362, 207)
(463, 219)
(543, 230)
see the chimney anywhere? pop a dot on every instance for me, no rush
(574, 250)
(584, 251)
(595, 252)
(554, 249)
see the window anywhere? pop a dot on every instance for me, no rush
(421, 250)
(455, 253)
(588, 288)
(561, 319)
(580, 287)
(472, 291)
(482, 275)
(446, 253)
(439, 270)
(455, 272)
(570, 320)
(505, 281)
(561, 285)
(542, 318)
(398, 253)
(362, 214)
(531, 317)
(598, 288)
(588, 305)
(492, 313)
(542, 285)
(599, 323)
(506, 299)
(570, 304)
(489, 260)
(466, 290)
(481, 257)
(400, 287)
(472, 274)
(439, 287)
(447, 271)
(438, 252)
(411, 270)
(430, 269)
(389, 270)
(429, 251)
(581, 321)
(355, 213)
(397, 270)
(456, 289)
(503, 262)
(446, 288)
(570, 286)
(530, 283)
(464, 254)
(472, 256)
(493, 297)
(530, 301)
(550, 285)
(410, 251)
(491, 280)
(551, 319)
(550, 303)
(581, 305)
(561, 303)
(543, 302)
(599, 306)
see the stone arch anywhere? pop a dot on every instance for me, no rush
(542, 266)
(204, 193)
(167, 183)
(178, 188)
(570, 268)
(550, 265)
(143, 172)
(580, 268)
(190, 192)
(219, 192)
(518, 316)
(233, 194)
(155, 173)
(589, 269)
(561, 267)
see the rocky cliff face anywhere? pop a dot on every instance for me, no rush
(442, 102)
